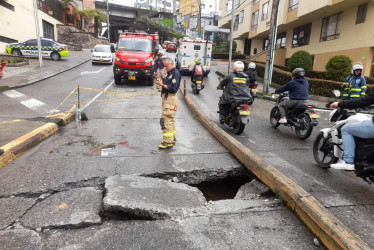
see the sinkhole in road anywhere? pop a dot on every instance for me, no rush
(222, 189)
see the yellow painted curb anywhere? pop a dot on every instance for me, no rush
(330, 230)
(67, 118)
(17, 147)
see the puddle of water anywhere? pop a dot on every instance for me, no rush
(222, 189)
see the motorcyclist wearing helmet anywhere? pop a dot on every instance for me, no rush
(197, 70)
(252, 73)
(355, 84)
(158, 66)
(362, 129)
(235, 88)
(298, 89)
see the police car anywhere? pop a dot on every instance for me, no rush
(50, 48)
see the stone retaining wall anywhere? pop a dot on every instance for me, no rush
(77, 39)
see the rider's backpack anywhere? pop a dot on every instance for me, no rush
(198, 70)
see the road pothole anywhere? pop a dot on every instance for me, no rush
(222, 189)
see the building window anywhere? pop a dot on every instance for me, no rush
(48, 30)
(202, 6)
(281, 39)
(241, 16)
(265, 43)
(331, 27)
(361, 13)
(69, 19)
(255, 20)
(255, 1)
(265, 11)
(236, 22)
(236, 4)
(301, 35)
(294, 4)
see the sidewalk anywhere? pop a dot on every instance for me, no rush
(16, 77)
(220, 67)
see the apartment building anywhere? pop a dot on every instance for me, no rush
(324, 28)
(159, 5)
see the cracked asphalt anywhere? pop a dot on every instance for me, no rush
(103, 184)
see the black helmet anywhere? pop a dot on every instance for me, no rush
(298, 72)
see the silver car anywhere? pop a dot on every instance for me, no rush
(101, 54)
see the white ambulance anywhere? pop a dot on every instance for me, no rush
(190, 49)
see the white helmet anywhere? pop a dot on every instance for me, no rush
(238, 66)
(251, 65)
(357, 66)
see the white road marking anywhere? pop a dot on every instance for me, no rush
(13, 94)
(93, 99)
(92, 72)
(31, 103)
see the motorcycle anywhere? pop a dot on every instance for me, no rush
(197, 84)
(238, 116)
(302, 117)
(254, 90)
(328, 147)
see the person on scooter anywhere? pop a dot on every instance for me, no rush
(363, 129)
(197, 70)
(355, 84)
(298, 89)
(252, 73)
(235, 88)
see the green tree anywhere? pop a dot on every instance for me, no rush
(227, 47)
(338, 68)
(65, 4)
(300, 59)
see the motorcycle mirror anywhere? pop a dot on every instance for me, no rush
(336, 92)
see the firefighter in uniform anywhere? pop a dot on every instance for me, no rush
(159, 69)
(355, 84)
(169, 89)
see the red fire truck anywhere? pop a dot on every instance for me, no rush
(134, 57)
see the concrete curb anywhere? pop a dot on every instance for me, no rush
(17, 147)
(331, 231)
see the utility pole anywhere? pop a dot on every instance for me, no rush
(231, 35)
(200, 33)
(38, 34)
(270, 50)
(107, 19)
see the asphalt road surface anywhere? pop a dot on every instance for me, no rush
(121, 138)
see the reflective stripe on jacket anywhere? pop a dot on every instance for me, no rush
(356, 88)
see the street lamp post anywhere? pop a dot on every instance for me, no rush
(107, 19)
(231, 35)
(36, 17)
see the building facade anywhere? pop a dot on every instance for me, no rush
(324, 28)
(17, 22)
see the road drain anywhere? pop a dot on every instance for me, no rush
(223, 189)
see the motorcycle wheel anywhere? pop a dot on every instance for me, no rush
(238, 126)
(323, 151)
(274, 117)
(308, 127)
(197, 91)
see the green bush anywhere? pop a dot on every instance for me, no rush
(235, 56)
(227, 47)
(317, 74)
(300, 59)
(338, 68)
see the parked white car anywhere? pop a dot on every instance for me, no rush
(102, 54)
